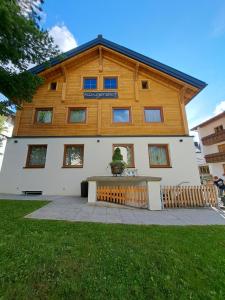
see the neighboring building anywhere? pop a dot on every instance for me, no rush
(96, 97)
(6, 134)
(212, 139)
(203, 167)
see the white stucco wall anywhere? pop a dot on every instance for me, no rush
(55, 180)
(2, 149)
(3, 137)
(216, 169)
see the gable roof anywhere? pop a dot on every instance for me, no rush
(125, 51)
(217, 117)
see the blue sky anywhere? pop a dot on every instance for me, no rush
(187, 35)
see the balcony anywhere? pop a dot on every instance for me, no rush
(215, 157)
(214, 138)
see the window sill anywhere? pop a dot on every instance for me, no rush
(30, 167)
(160, 167)
(150, 123)
(42, 124)
(76, 123)
(122, 123)
(72, 167)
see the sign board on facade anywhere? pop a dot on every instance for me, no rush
(100, 95)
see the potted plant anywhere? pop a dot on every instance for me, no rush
(117, 164)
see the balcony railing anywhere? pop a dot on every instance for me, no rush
(214, 138)
(215, 157)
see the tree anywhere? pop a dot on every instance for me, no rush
(22, 43)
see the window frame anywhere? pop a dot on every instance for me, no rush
(90, 77)
(37, 109)
(64, 156)
(218, 128)
(110, 77)
(148, 86)
(154, 108)
(28, 166)
(120, 108)
(132, 151)
(76, 108)
(221, 148)
(165, 146)
(50, 85)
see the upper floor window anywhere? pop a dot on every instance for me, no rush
(144, 84)
(73, 156)
(218, 128)
(159, 156)
(153, 115)
(121, 115)
(90, 83)
(36, 156)
(43, 115)
(127, 151)
(53, 86)
(221, 148)
(77, 115)
(110, 83)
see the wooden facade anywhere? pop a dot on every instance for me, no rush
(163, 91)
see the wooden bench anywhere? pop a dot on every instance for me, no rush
(26, 193)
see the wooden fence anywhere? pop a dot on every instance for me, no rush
(189, 196)
(126, 195)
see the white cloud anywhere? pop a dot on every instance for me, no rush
(63, 37)
(219, 108)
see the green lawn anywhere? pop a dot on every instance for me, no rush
(64, 260)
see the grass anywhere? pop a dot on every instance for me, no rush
(63, 260)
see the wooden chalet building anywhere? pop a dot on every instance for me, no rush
(99, 96)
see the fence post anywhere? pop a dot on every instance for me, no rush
(92, 192)
(154, 195)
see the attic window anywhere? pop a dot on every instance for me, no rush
(144, 84)
(218, 129)
(53, 86)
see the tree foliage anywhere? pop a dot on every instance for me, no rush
(22, 44)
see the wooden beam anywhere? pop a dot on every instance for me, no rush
(17, 121)
(99, 108)
(183, 111)
(64, 72)
(100, 60)
(136, 86)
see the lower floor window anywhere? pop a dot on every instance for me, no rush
(159, 156)
(204, 170)
(127, 151)
(73, 156)
(36, 156)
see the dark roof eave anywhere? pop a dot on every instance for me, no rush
(127, 52)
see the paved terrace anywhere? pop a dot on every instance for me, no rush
(77, 209)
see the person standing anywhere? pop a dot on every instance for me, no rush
(220, 185)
